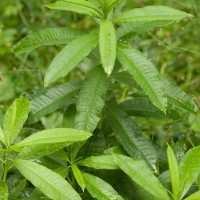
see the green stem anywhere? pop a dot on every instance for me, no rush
(6, 166)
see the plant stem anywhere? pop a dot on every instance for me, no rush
(6, 166)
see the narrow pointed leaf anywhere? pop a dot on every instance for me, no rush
(178, 98)
(91, 100)
(49, 182)
(53, 99)
(142, 107)
(99, 162)
(78, 6)
(189, 169)
(69, 116)
(195, 196)
(15, 117)
(78, 176)
(49, 36)
(145, 74)
(107, 5)
(129, 136)
(107, 45)
(56, 135)
(3, 191)
(142, 175)
(174, 171)
(99, 189)
(69, 57)
(151, 14)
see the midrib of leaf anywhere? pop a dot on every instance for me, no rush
(94, 94)
(144, 80)
(141, 153)
(38, 175)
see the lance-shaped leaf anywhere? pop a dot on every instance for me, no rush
(178, 98)
(99, 189)
(142, 107)
(99, 162)
(189, 169)
(107, 5)
(15, 117)
(195, 196)
(129, 135)
(129, 30)
(69, 116)
(49, 36)
(78, 6)
(145, 74)
(56, 135)
(107, 45)
(91, 100)
(69, 57)
(79, 178)
(174, 171)
(151, 14)
(139, 172)
(49, 182)
(52, 99)
(3, 191)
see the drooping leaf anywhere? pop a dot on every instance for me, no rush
(145, 74)
(15, 117)
(107, 45)
(99, 162)
(189, 169)
(130, 30)
(50, 183)
(151, 14)
(3, 191)
(56, 135)
(69, 57)
(130, 136)
(139, 172)
(78, 6)
(99, 189)
(53, 99)
(79, 178)
(142, 107)
(174, 171)
(68, 118)
(49, 36)
(195, 196)
(91, 99)
(178, 98)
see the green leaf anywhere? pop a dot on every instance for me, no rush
(151, 14)
(107, 45)
(15, 117)
(145, 74)
(107, 5)
(50, 183)
(189, 169)
(3, 191)
(174, 171)
(40, 150)
(78, 6)
(53, 99)
(195, 196)
(99, 189)
(178, 98)
(69, 115)
(69, 57)
(78, 176)
(49, 36)
(56, 135)
(130, 30)
(91, 99)
(129, 135)
(142, 107)
(99, 162)
(142, 175)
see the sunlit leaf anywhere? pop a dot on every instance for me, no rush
(78, 176)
